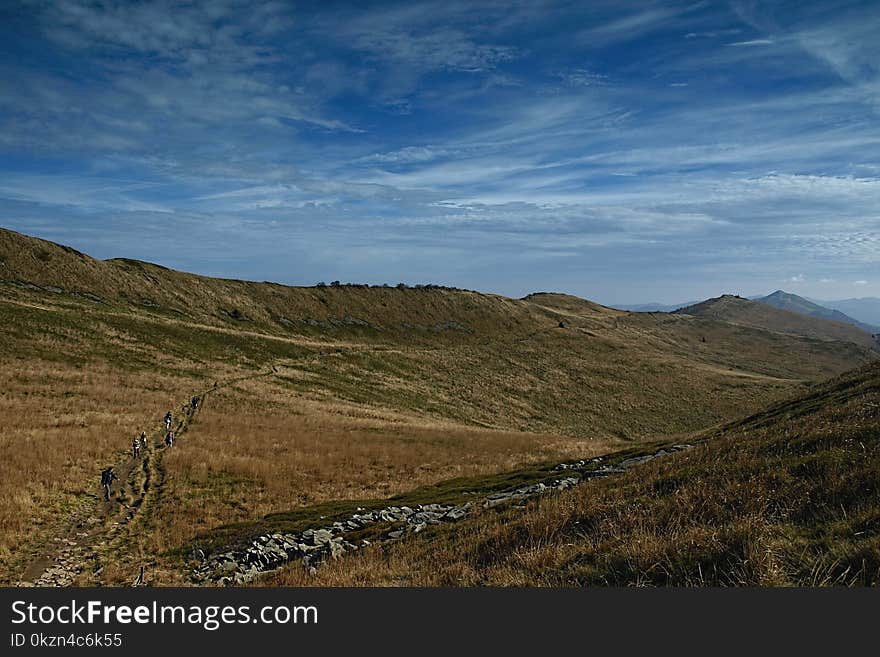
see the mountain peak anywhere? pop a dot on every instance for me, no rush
(797, 304)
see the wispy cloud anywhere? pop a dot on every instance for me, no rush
(612, 152)
(752, 42)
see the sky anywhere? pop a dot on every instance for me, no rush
(625, 152)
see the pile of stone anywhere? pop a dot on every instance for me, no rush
(313, 546)
(577, 465)
(526, 492)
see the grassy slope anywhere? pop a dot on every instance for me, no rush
(458, 490)
(796, 304)
(606, 373)
(439, 359)
(790, 496)
(761, 315)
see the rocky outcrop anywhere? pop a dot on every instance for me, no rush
(269, 552)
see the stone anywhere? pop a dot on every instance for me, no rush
(320, 536)
(456, 513)
(429, 517)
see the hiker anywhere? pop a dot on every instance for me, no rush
(168, 418)
(169, 439)
(107, 478)
(143, 440)
(136, 446)
(195, 402)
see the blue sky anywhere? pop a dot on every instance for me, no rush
(625, 152)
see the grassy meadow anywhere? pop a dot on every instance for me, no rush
(788, 497)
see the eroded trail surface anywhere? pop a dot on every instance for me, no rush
(70, 552)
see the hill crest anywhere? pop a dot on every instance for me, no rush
(739, 310)
(797, 304)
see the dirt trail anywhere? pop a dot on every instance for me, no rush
(71, 552)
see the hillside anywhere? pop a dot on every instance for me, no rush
(271, 308)
(801, 306)
(327, 395)
(549, 362)
(787, 497)
(737, 310)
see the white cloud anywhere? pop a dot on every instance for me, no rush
(752, 42)
(581, 77)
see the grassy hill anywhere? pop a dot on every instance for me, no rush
(758, 314)
(39, 265)
(360, 392)
(801, 306)
(548, 362)
(788, 496)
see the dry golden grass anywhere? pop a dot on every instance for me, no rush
(257, 449)
(788, 497)
(63, 424)
(345, 417)
(355, 411)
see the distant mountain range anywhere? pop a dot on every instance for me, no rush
(768, 316)
(863, 313)
(802, 306)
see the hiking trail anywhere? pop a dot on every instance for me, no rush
(71, 552)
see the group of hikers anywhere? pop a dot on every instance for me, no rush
(139, 443)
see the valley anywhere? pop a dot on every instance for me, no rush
(334, 397)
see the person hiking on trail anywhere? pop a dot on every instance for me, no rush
(195, 402)
(169, 439)
(168, 418)
(136, 446)
(107, 478)
(143, 439)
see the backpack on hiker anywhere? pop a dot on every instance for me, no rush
(107, 478)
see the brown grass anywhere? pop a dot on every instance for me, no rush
(61, 426)
(255, 450)
(789, 497)
(355, 411)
